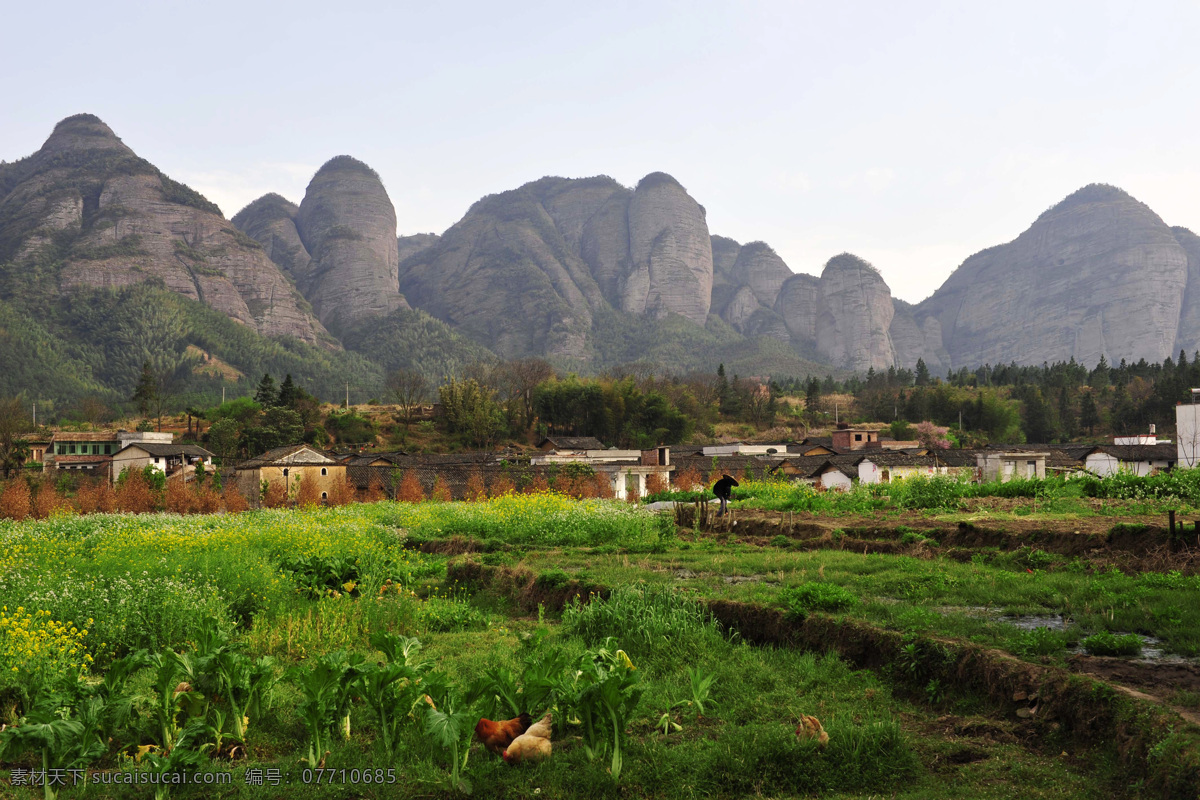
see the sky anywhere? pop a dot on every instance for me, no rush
(911, 134)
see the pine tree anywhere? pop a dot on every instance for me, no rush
(145, 395)
(266, 395)
(722, 388)
(1089, 415)
(922, 373)
(288, 392)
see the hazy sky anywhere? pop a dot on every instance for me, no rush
(911, 134)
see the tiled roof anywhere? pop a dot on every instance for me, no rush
(88, 436)
(573, 442)
(280, 456)
(164, 450)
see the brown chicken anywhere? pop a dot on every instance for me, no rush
(810, 728)
(532, 745)
(496, 736)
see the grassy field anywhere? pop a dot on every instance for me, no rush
(307, 652)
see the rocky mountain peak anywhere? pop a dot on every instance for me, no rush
(110, 219)
(850, 262)
(1092, 193)
(343, 164)
(854, 323)
(83, 132)
(267, 208)
(347, 224)
(1099, 273)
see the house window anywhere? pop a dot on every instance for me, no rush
(71, 449)
(324, 495)
(324, 471)
(285, 472)
(108, 449)
(95, 449)
(858, 437)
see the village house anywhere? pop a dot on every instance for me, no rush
(847, 439)
(885, 467)
(621, 466)
(1003, 466)
(175, 460)
(94, 450)
(38, 448)
(288, 466)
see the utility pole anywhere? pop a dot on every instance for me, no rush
(35, 415)
(222, 395)
(347, 395)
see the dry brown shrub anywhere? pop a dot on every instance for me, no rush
(583, 488)
(656, 483)
(234, 500)
(47, 500)
(374, 492)
(86, 497)
(276, 495)
(631, 496)
(205, 499)
(476, 488)
(340, 493)
(16, 501)
(603, 487)
(410, 490)
(307, 495)
(688, 479)
(503, 485)
(539, 485)
(178, 498)
(135, 496)
(440, 492)
(106, 497)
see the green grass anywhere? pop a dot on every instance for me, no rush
(937, 595)
(1178, 490)
(297, 585)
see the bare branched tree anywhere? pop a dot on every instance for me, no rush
(409, 389)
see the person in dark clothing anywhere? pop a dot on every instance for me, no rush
(723, 489)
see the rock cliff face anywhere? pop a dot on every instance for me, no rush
(913, 342)
(524, 270)
(271, 221)
(348, 226)
(799, 305)
(670, 250)
(746, 283)
(409, 246)
(106, 218)
(1188, 336)
(1097, 274)
(855, 316)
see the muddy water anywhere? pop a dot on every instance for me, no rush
(1153, 650)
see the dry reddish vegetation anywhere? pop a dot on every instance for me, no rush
(410, 490)
(440, 492)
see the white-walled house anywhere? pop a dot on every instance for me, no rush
(1134, 459)
(1004, 466)
(888, 467)
(170, 459)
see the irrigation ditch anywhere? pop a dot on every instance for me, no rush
(1129, 545)
(1155, 747)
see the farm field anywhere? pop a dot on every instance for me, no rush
(302, 651)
